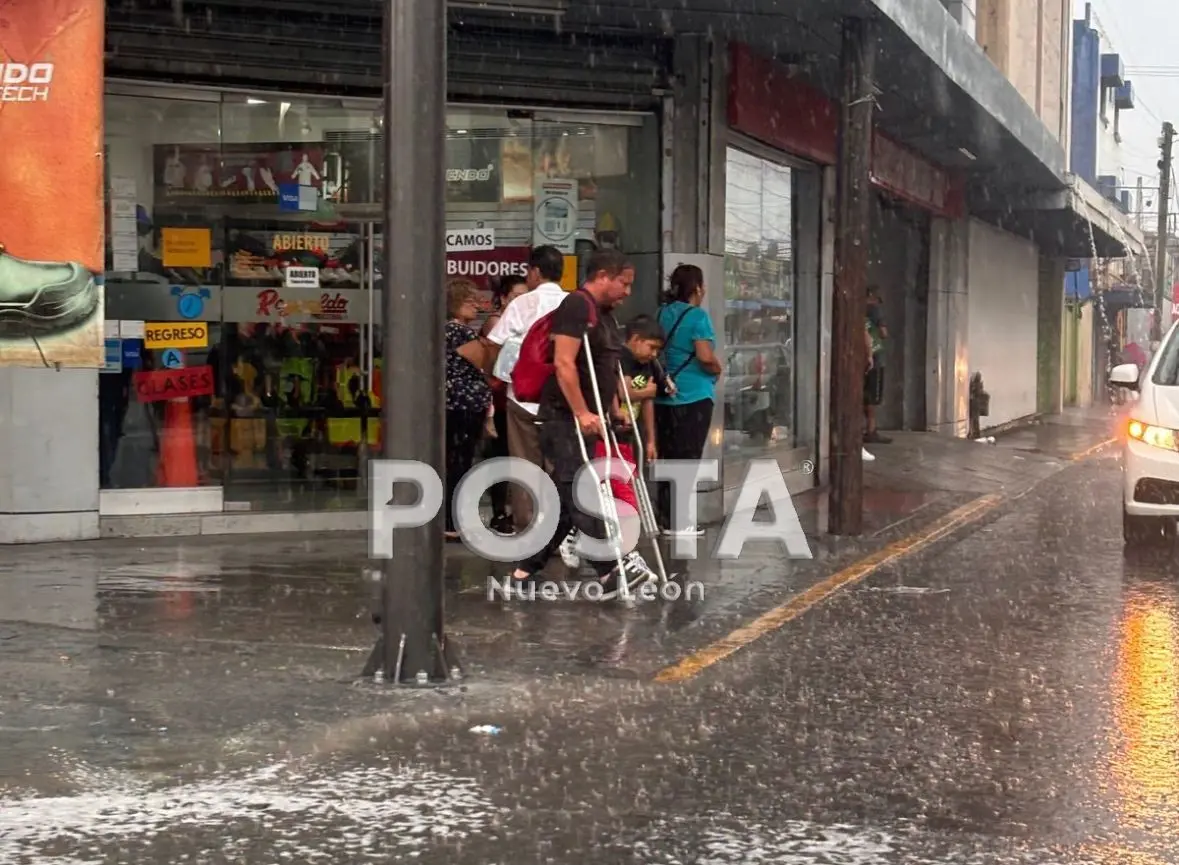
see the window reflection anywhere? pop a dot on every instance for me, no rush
(760, 229)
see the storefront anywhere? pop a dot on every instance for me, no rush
(245, 270)
(778, 231)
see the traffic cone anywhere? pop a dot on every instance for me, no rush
(178, 462)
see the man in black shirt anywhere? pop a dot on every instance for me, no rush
(568, 399)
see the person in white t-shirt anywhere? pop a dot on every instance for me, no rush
(545, 267)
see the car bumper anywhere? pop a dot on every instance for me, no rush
(1150, 480)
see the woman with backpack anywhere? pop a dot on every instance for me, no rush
(504, 292)
(683, 413)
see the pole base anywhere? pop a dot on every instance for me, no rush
(446, 659)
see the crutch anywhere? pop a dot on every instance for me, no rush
(605, 493)
(646, 510)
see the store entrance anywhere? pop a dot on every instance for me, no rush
(301, 363)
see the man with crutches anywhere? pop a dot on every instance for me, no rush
(577, 404)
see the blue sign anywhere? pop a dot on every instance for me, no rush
(190, 304)
(288, 196)
(173, 358)
(112, 355)
(132, 353)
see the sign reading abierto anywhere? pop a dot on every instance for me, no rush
(301, 277)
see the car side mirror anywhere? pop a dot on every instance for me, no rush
(1125, 375)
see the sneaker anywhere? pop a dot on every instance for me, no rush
(503, 525)
(637, 574)
(42, 296)
(876, 439)
(865, 456)
(685, 532)
(568, 550)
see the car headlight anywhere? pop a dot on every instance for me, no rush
(1155, 436)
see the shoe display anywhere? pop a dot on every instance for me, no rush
(41, 297)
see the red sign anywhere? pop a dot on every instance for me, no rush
(771, 105)
(242, 171)
(164, 384)
(328, 306)
(481, 267)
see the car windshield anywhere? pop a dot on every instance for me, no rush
(1167, 371)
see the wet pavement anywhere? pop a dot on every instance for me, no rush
(1010, 694)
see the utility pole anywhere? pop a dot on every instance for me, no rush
(413, 320)
(1160, 252)
(850, 303)
(1141, 202)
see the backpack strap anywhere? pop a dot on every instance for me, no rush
(671, 333)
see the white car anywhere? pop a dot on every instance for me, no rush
(1150, 450)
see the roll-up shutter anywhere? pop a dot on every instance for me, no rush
(336, 47)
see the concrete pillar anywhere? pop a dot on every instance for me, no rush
(696, 233)
(947, 361)
(963, 11)
(48, 455)
(1049, 342)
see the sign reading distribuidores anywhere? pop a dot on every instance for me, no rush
(406, 494)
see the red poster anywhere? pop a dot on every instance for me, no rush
(164, 384)
(479, 268)
(51, 222)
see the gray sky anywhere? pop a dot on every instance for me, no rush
(1144, 33)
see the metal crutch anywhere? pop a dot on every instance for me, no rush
(609, 510)
(646, 510)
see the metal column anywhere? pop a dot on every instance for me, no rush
(414, 317)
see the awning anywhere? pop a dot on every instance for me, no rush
(1074, 222)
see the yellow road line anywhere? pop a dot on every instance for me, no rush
(1088, 452)
(698, 661)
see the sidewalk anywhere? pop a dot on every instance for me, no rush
(155, 653)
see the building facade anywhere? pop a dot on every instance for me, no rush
(243, 182)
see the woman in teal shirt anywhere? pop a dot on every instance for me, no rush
(683, 412)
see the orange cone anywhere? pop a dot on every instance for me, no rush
(178, 463)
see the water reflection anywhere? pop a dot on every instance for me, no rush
(1144, 769)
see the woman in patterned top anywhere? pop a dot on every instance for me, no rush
(468, 396)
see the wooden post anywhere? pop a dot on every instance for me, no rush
(849, 307)
(1161, 286)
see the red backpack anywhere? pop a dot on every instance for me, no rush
(534, 365)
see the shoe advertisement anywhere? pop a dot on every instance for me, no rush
(51, 225)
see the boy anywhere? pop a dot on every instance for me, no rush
(644, 377)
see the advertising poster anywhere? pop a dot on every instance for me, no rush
(244, 172)
(555, 214)
(52, 221)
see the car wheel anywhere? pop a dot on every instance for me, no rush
(1146, 530)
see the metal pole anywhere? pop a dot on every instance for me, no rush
(849, 308)
(1160, 252)
(414, 317)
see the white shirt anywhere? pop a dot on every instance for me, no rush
(521, 314)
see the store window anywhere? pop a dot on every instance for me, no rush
(259, 217)
(761, 281)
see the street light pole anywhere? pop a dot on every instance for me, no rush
(413, 321)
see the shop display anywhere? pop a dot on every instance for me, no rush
(262, 256)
